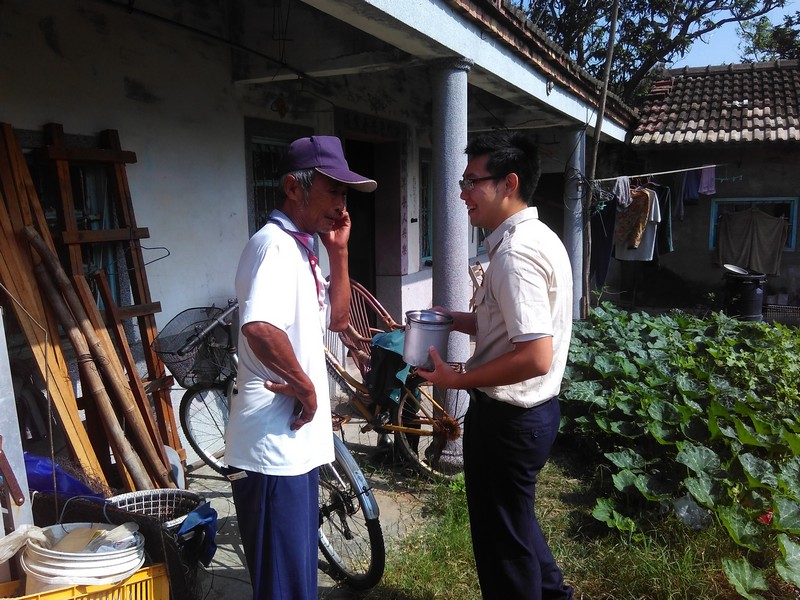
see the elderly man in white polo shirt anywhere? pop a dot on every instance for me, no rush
(279, 431)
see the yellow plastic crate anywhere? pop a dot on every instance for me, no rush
(149, 583)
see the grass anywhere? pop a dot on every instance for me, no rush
(668, 562)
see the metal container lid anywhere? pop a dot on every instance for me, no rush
(429, 317)
(735, 269)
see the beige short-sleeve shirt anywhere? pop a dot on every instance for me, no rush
(526, 293)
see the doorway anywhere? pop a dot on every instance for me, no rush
(361, 206)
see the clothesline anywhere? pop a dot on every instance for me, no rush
(659, 173)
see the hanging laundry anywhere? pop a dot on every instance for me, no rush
(602, 227)
(622, 190)
(631, 222)
(707, 185)
(644, 250)
(664, 244)
(752, 239)
(691, 187)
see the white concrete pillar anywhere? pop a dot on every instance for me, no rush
(452, 286)
(574, 192)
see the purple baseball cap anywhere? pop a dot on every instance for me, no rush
(324, 153)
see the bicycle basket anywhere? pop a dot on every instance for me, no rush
(208, 362)
(167, 506)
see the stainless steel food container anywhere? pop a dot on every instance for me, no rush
(425, 328)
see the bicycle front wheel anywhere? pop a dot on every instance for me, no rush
(422, 429)
(350, 535)
(204, 417)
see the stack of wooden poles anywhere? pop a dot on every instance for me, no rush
(42, 296)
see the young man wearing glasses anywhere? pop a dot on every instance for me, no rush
(522, 325)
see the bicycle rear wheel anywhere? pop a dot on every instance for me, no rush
(422, 429)
(204, 417)
(350, 535)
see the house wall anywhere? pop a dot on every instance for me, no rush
(754, 171)
(90, 67)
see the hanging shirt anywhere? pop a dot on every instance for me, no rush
(647, 241)
(631, 221)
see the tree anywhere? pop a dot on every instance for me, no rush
(651, 32)
(763, 41)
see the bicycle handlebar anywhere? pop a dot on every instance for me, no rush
(194, 340)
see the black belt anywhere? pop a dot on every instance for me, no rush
(483, 398)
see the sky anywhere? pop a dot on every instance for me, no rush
(723, 44)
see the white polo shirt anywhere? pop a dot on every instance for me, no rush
(275, 284)
(526, 293)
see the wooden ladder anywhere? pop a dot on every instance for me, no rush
(126, 233)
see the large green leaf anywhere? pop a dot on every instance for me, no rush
(702, 489)
(625, 428)
(788, 567)
(590, 392)
(696, 429)
(749, 436)
(689, 386)
(763, 426)
(744, 577)
(628, 368)
(759, 472)
(665, 412)
(625, 403)
(789, 477)
(791, 439)
(741, 527)
(624, 480)
(663, 433)
(699, 459)
(604, 511)
(651, 488)
(607, 366)
(787, 515)
(627, 459)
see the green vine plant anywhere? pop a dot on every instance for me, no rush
(698, 417)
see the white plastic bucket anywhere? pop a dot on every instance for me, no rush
(48, 569)
(425, 328)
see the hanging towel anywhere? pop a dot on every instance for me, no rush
(707, 185)
(752, 239)
(622, 190)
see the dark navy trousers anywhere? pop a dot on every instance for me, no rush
(279, 522)
(505, 447)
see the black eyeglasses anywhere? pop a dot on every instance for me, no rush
(468, 183)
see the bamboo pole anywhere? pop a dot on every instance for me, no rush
(126, 404)
(114, 323)
(587, 209)
(91, 379)
(41, 333)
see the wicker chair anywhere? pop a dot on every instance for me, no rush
(367, 317)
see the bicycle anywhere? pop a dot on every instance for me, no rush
(199, 349)
(420, 426)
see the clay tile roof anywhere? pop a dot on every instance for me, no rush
(744, 103)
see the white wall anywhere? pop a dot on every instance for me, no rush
(90, 67)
